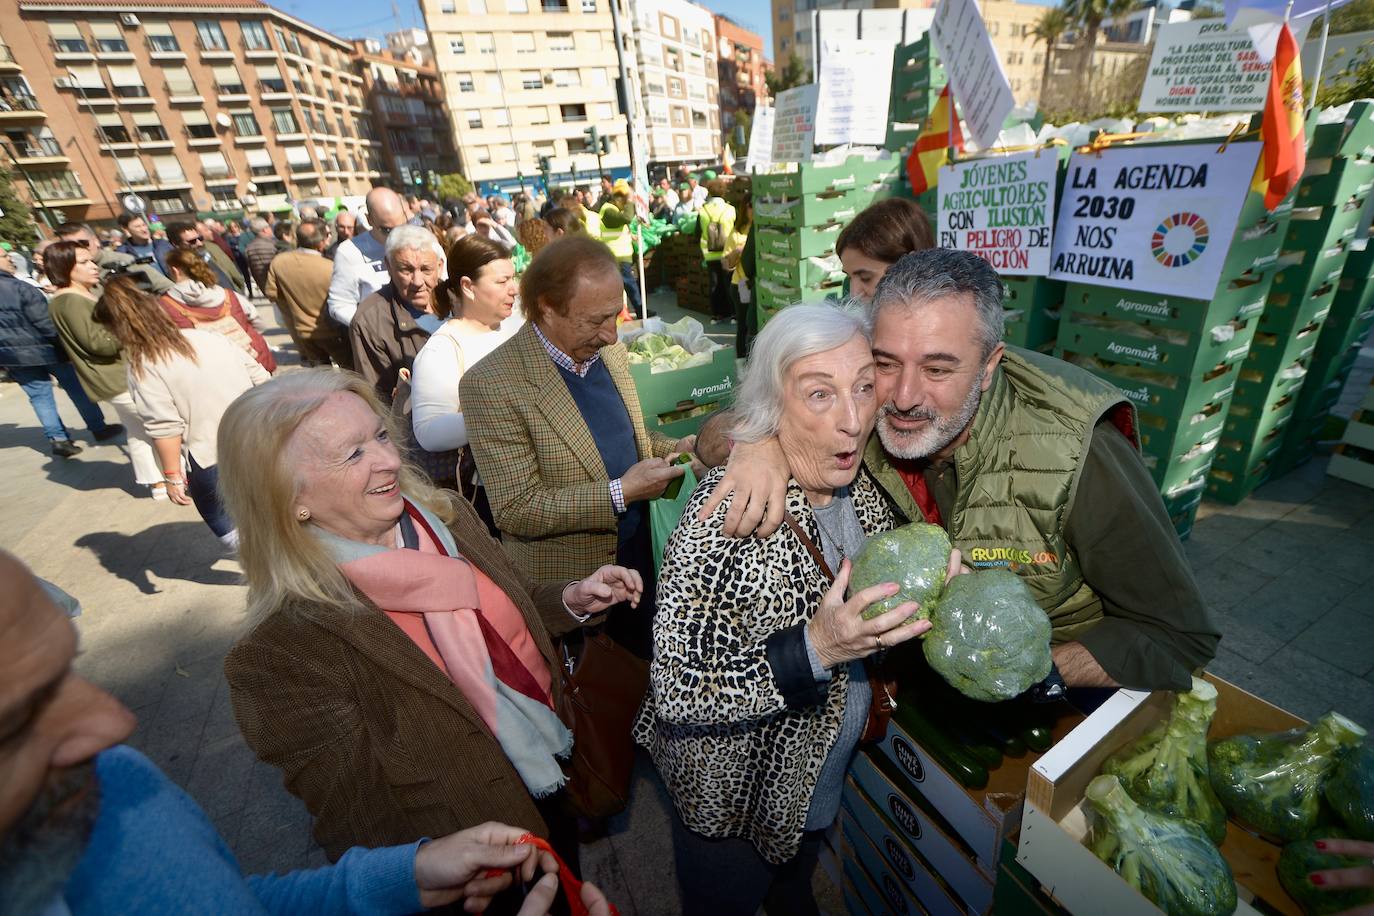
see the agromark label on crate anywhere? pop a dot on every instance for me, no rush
(1001, 209)
(1156, 219)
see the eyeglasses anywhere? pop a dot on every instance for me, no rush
(193, 241)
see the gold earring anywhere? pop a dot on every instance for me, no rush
(303, 514)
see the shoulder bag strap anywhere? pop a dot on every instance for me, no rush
(809, 544)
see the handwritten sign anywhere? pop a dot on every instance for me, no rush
(1002, 209)
(794, 124)
(847, 108)
(1203, 65)
(1155, 219)
(760, 139)
(980, 85)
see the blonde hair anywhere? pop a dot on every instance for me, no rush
(285, 564)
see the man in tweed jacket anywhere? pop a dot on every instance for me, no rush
(556, 429)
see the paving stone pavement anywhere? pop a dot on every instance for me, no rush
(1288, 572)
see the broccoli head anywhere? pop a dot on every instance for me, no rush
(915, 556)
(1170, 860)
(1350, 791)
(1274, 783)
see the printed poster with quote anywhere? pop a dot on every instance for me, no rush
(1155, 219)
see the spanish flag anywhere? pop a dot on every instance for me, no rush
(931, 149)
(1285, 141)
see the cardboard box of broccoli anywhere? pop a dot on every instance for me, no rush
(681, 375)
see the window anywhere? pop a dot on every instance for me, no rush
(589, 6)
(464, 82)
(679, 116)
(228, 81)
(672, 59)
(225, 198)
(554, 6)
(260, 163)
(484, 43)
(699, 119)
(566, 78)
(531, 79)
(596, 77)
(455, 45)
(132, 170)
(477, 7)
(89, 82)
(482, 154)
(210, 36)
(517, 6)
(267, 188)
(245, 124)
(680, 144)
(676, 88)
(255, 36)
(281, 38)
(109, 38)
(160, 37)
(127, 83)
(179, 81)
(573, 112)
(295, 44)
(560, 41)
(500, 117)
(539, 115)
(214, 165)
(198, 126)
(112, 129)
(523, 42)
(168, 169)
(667, 26)
(270, 78)
(579, 145)
(298, 159)
(67, 38)
(474, 118)
(148, 125)
(284, 121)
(448, 6)
(605, 111)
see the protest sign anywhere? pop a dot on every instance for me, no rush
(1204, 66)
(760, 139)
(1002, 209)
(794, 124)
(1155, 219)
(975, 71)
(847, 108)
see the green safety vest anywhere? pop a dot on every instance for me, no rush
(592, 220)
(618, 240)
(1018, 475)
(715, 210)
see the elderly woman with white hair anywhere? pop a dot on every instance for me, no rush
(392, 324)
(759, 692)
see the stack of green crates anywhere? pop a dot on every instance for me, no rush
(799, 215)
(917, 78)
(1030, 311)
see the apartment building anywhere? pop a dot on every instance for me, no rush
(223, 108)
(406, 102)
(741, 67)
(675, 44)
(524, 79)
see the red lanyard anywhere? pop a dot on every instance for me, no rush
(572, 886)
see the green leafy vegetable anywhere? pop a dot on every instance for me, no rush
(1166, 769)
(1169, 860)
(915, 556)
(1300, 859)
(988, 637)
(1350, 792)
(1274, 782)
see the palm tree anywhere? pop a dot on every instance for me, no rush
(1051, 26)
(1089, 14)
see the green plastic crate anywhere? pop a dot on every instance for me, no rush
(1167, 395)
(798, 274)
(1333, 180)
(807, 210)
(1240, 299)
(673, 402)
(804, 242)
(1320, 228)
(1352, 137)
(1173, 350)
(809, 178)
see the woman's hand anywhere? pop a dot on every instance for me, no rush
(839, 633)
(176, 490)
(540, 899)
(455, 867)
(1334, 879)
(608, 586)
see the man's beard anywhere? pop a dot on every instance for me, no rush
(940, 430)
(41, 851)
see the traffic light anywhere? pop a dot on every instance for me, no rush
(605, 146)
(544, 164)
(593, 138)
(418, 179)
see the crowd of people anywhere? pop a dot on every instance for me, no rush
(443, 522)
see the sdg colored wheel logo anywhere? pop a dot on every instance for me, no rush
(1179, 240)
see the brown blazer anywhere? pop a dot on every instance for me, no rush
(298, 282)
(385, 340)
(368, 732)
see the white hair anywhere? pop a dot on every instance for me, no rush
(798, 332)
(257, 224)
(412, 238)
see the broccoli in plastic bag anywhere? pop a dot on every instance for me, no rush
(915, 556)
(989, 638)
(1166, 769)
(1350, 792)
(1274, 783)
(1302, 858)
(1169, 860)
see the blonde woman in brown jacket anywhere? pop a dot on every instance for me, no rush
(401, 671)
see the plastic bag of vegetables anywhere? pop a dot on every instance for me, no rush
(1302, 858)
(1166, 769)
(1274, 782)
(1168, 859)
(915, 556)
(989, 638)
(1350, 791)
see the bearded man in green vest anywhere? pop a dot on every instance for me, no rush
(1029, 463)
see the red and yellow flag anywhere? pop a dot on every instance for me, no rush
(931, 149)
(1285, 141)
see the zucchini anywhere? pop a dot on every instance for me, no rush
(1004, 739)
(962, 766)
(963, 729)
(1037, 738)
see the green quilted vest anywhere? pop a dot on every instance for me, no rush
(1018, 473)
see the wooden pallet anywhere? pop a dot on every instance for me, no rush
(1354, 457)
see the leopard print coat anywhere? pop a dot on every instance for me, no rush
(736, 760)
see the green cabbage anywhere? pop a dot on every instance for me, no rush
(1274, 783)
(988, 637)
(1302, 858)
(1350, 792)
(1166, 769)
(1169, 860)
(915, 556)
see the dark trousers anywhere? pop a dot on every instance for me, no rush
(746, 322)
(633, 627)
(202, 485)
(320, 351)
(721, 306)
(728, 877)
(627, 273)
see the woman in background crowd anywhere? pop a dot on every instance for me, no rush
(741, 284)
(561, 221)
(534, 234)
(196, 300)
(877, 238)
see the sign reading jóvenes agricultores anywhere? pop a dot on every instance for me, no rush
(1002, 209)
(1156, 219)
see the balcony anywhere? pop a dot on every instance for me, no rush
(250, 140)
(236, 92)
(289, 136)
(7, 61)
(19, 106)
(226, 206)
(133, 96)
(218, 175)
(164, 48)
(37, 151)
(258, 52)
(213, 50)
(110, 50)
(70, 50)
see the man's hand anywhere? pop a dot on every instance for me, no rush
(647, 479)
(756, 475)
(839, 633)
(604, 588)
(542, 895)
(455, 867)
(1078, 667)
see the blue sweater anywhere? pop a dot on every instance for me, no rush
(154, 851)
(601, 406)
